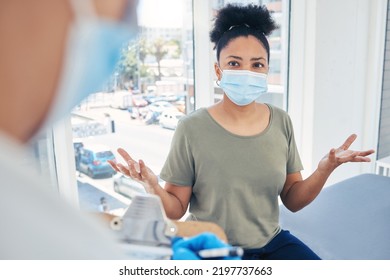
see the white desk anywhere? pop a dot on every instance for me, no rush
(384, 164)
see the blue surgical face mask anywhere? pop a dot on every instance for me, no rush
(243, 87)
(93, 48)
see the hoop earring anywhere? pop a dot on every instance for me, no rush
(217, 82)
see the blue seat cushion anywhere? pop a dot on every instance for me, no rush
(348, 220)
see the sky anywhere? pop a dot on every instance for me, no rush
(161, 13)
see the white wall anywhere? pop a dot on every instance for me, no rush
(203, 54)
(336, 61)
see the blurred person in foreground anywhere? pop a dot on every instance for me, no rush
(53, 54)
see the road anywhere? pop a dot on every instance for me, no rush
(150, 143)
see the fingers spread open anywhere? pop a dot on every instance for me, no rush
(125, 155)
(123, 169)
(361, 159)
(332, 155)
(348, 142)
(366, 153)
(143, 169)
(348, 158)
(133, 172)
(113, 165)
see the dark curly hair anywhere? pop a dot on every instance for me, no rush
(235, 20)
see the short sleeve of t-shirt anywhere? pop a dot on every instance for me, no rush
(294, 163)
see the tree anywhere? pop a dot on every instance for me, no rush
(159, 51)
(176, 43)
(143, 50)
(128, 66)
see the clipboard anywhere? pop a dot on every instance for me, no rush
(144, 230)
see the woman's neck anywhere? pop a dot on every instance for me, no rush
(241, 120)
(238, 113)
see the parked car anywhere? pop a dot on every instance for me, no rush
(152, 118)
(154, 111)
(138, 101)
(150, 98)
(160, 106)
(170, 118)
(169, 97)
(94, 160)
(129, 187)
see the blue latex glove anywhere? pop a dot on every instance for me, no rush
(187, 248)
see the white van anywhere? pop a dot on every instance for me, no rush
(121, 100)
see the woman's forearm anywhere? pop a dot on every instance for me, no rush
(172, 205)
(303, 192)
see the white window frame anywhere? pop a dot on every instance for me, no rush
(203, 54)
(65, 162)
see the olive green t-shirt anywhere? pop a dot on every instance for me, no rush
(235, 180)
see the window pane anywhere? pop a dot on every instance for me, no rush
(139, 107)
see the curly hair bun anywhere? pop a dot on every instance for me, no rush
(254, 16)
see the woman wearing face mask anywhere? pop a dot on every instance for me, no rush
(230, 162)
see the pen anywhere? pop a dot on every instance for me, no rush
(221, 252)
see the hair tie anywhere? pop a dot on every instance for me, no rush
(231, 27)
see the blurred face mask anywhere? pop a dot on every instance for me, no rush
(93, 48)
(243, 87)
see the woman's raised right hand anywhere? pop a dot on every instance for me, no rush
(137, 171)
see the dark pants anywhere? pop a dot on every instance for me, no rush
(283, 246)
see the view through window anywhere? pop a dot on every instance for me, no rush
(139, 107)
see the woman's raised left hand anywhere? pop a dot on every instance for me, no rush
(341, 155)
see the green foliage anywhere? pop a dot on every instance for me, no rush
(132, 70)
(128, 65)
(159, 51)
